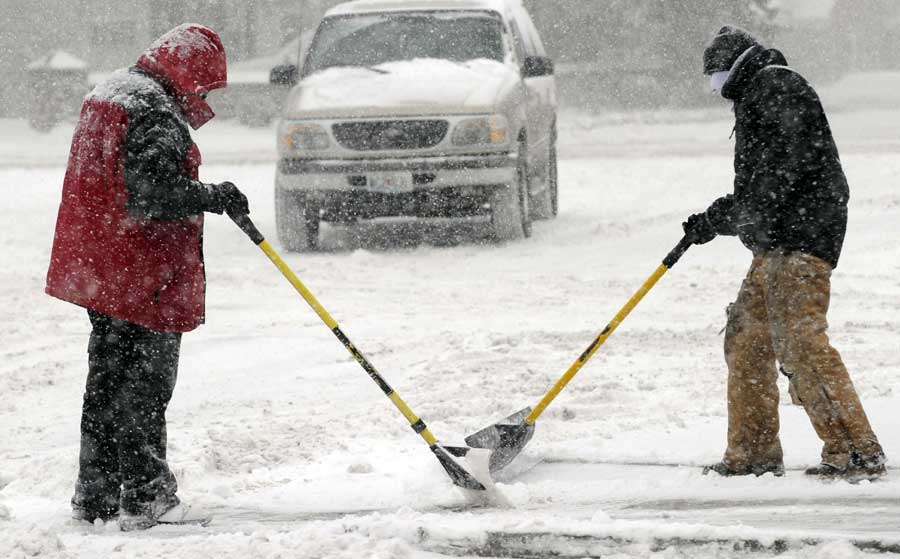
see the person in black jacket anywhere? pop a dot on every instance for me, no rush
(789, 207)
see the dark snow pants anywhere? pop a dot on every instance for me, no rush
(780, 315)
(131, 376)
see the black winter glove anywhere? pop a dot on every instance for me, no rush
(225, 197)
(698, 229)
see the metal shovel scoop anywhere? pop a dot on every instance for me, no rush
(505, 439)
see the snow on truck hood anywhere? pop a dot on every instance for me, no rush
(414, 87)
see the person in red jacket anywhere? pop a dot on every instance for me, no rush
(128, 248)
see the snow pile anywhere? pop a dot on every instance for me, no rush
(414, 83)
(478, 464)
(33, 541)
(58, 60)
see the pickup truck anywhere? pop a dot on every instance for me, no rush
(418, 109)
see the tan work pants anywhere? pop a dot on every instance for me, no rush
(779, 316)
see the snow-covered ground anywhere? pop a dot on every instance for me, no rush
(298, 453)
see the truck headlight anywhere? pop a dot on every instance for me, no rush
(302, 136)
(491, 131)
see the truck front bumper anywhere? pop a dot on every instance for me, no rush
(426, 172)
(347, 190)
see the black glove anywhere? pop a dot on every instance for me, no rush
(698, 229)
(225, 197)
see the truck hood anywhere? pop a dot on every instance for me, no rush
(406, 88)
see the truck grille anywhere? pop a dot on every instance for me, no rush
(390, 134)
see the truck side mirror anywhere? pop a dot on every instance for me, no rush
(283, 74)
(537, 66)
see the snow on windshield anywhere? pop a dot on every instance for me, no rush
(373, 39)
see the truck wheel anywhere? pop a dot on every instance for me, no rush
(553, 177)
(297, 221)
(546, 204)
(510, 211)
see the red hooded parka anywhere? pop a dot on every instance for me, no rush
(129, 229)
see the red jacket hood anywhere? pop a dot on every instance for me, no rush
(190, 61)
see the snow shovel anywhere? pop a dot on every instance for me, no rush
(507, 438)
(446, 455)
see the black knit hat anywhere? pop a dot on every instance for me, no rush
(725, 48)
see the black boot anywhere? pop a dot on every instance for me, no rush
(860, 468)
(825, 470)
(724, 470)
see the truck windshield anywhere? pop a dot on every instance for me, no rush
(372, 39)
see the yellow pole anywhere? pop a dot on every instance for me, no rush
(417, 424)
(595, 345)
(446, 455)
(298, 285)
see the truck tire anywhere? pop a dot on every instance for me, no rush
(553, 176)
(297, 221)
(546, 204)
(510, 207)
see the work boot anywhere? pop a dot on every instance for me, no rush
(96, 498)
(185, 514)
(825, 470)
(84, 514)
(724, 470)
(146, 515)
(164, 511)
(858, 468)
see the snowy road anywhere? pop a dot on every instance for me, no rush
(275, 428)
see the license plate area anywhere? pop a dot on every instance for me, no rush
(387, 183)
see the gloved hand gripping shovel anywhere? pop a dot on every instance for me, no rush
(507, 438)
(446, 455)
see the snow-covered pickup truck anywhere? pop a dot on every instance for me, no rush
(418, 108)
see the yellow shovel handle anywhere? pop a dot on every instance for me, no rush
(601, 338)
(417, 424)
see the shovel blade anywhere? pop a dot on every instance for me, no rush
(447, 456)
(505, 439)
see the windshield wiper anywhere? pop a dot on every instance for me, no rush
(374, 69)
(343, 65)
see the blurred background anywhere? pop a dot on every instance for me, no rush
(611, 55)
